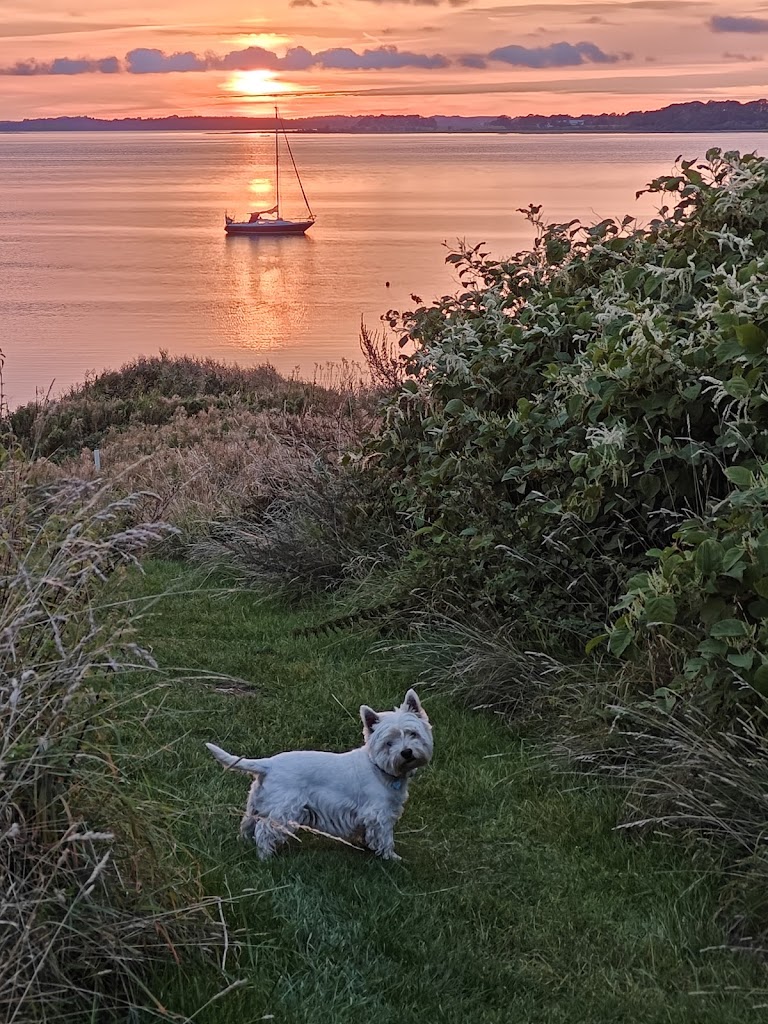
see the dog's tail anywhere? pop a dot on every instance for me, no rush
(254, 766)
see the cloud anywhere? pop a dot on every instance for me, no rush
(143, 61)
(423, 3)
(570, 12)
(743, 58)
(63, 66)
(726, 23)
(556, 55)
(150, 61)
(251, 58)
(378, 59)
(146, 61)
(472, 60)
(302, 3)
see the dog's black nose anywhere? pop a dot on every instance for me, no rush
(407, 754)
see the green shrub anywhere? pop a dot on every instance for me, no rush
(576, 407)
(156, 390)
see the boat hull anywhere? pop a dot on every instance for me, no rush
(255, 229)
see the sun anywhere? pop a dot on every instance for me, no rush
(256, 83)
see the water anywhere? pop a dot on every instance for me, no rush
(113, 245)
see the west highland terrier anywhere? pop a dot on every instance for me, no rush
(357, 795)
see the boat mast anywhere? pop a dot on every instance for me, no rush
(277, 167)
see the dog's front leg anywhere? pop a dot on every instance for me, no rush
(379, 837)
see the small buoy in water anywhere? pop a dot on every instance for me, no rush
(386, 283)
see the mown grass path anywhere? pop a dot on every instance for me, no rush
(515, 901)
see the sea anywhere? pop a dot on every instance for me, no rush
(112, 245)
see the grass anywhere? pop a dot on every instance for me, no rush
(516, 900)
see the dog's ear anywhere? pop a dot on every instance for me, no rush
(369, 717)
(413, 704)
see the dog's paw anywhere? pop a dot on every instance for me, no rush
(391, 855)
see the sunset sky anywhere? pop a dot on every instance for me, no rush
(155, 57)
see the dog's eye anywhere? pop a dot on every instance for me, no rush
(389, 743)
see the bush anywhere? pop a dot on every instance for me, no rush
(571, 414)
(155, 391)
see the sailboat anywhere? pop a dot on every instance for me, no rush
(270, 222)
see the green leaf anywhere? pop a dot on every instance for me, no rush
(661, 609)
(595, 642)
(751, 338)
(740, 475)
(729, 627)
(708, 557)
(693, 666)
(712, 647)
(454, 407)
(731, 557)
(736, 387)
(760, 679)
(648, 486)
(712, 610)
(741, 660)
(620, 640)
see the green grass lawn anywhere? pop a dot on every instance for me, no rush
(515, 900)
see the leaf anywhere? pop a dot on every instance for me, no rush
(693, 666)
(454, 407)
(661, 609)
(649, 486)
(751, 338)
(736, 387)
(712, 647)
(741, 659)
(731, 557)
(729, 627)
(760, 679)
(595, 642)
(740, 475)
(708, 557)
(712, 610)
(619, 641)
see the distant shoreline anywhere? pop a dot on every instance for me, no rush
(385, 131)
(677, 118)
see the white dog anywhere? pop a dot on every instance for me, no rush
(356, 795)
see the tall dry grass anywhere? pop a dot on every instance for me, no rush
(211, 465)
(87, 908)
(483, 663)
(314, 525)
(706, 784)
